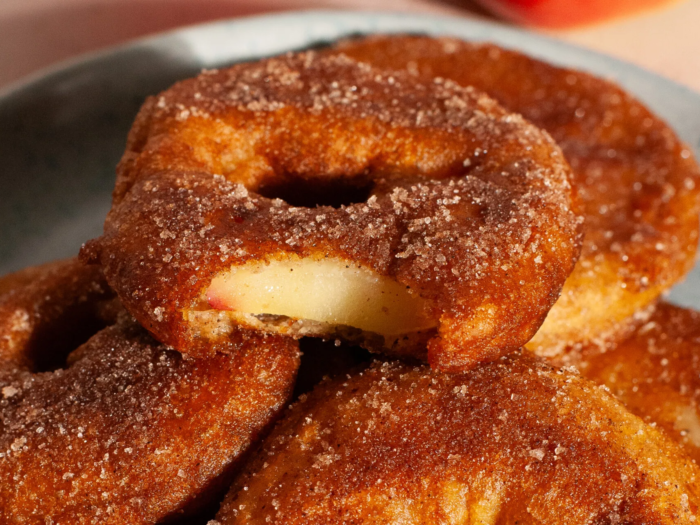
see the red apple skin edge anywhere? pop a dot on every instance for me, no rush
(218, 300)
(558, 14)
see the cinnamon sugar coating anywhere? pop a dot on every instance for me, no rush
(513, 441)
(128, 432)
(57, 305)
(637, 182)
(470, 206)
(654, 371)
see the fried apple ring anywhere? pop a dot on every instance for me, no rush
(58, 305)
(654, 371)
(469, 209)
(129, 432)
(637, 182)
(513, 441)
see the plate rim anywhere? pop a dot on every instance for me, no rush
(157, 40)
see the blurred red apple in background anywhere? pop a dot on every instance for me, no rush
(566, 13)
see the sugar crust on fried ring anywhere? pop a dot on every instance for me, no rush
(57, 305)
(129, 432)
(513, 441)
(637, 182)
(469, 208)
(654, 371)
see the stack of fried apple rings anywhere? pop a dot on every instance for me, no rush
(397, 280)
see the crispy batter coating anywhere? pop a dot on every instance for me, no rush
(58, 305)
(655, 372)
(129, 432)
(21, 278)
(514, 441)
(637, 182)
(470, 205)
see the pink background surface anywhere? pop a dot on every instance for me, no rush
(38, 33)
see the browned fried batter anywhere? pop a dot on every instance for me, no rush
(513, 441)
(655, 372)
(129, 432)
(637, 182)
(21, 278)
(56, 306)
(469, 207)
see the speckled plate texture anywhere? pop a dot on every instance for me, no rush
(62, 133)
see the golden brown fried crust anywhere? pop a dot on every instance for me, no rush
(638, 184)
(470, 206)
(514, 441)
(21, 278)
(58, 305)
(655, 372)
(129, 432)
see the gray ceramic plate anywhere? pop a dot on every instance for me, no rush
(62, 133)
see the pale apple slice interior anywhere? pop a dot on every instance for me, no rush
(322, 291)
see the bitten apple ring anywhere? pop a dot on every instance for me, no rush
(319, 196)
(638, 184)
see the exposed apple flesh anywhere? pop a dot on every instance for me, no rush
(327, 290)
